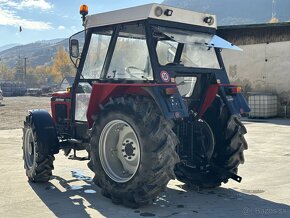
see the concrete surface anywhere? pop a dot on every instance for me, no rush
(264, 191)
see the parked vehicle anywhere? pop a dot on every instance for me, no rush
(151, 101)
(1, 96)
(33, 92)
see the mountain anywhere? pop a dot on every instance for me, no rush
(37, 53)
(5, 47)
(231, 12)
(50, 41)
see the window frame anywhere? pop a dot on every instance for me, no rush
(87, 53)
(112, 51)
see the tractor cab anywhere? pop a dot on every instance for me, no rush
(154, 46)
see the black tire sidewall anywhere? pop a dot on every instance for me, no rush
(143, 139)
(42, 165)
(30, 171)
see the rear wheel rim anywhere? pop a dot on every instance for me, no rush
(119, 151)
(29, 148)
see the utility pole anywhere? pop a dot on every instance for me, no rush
(2, 67)
(25, 70)
(274, 9)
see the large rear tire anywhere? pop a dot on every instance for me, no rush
(229, 146)
(132, 151)
(38, 166)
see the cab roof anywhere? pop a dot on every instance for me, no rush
(153, 11)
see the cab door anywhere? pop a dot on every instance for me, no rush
(90, 68)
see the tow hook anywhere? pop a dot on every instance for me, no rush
(225, 173)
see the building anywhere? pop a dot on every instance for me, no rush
(66, 82)
(264, 64)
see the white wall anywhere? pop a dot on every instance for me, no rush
(250, 68)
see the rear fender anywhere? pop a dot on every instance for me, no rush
(45, 131)
(235, 102)
(171, 106)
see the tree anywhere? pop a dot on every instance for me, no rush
(62, 65)
(38, 76)
(274, 20)
(19, 68)
(5, 72)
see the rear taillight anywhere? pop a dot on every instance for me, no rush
(235, 90)
(232, 89)
(170, 91)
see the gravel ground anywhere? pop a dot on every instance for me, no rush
(14, 109)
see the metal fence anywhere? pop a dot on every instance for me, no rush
(10, 88)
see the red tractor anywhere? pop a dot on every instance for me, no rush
(151, 102)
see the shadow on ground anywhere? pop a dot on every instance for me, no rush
(276, 121)
(67, 200)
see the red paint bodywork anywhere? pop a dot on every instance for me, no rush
(61, 98)
(62, 94)
(101, 93)
(209, 98)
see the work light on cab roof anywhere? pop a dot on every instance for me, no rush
(84, 10)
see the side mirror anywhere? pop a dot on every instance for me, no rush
(74, 48)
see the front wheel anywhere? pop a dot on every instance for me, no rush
(132, 151)
(38, 166)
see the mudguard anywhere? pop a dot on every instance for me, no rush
(236, 103)
(45, 131)
(172, 106)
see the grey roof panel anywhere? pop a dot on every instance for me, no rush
(148, 11)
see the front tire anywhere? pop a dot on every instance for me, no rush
(38, 166)
(132, 151)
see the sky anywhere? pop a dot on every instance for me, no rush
(49, 19)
